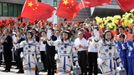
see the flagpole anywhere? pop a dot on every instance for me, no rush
(83, 3)
(24, 6)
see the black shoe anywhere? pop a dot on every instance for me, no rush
(20, 71)
(6, 70)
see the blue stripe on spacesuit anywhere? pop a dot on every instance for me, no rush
(111, 66)
(64, 65)
(29, 62)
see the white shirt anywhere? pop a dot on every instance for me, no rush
(82, 42)
(42, 45)
(49, 34)
(14, 38)
(93, 46)
(96, 34)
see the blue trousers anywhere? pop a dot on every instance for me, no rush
(130, 65)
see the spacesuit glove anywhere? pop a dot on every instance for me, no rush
(100, 61)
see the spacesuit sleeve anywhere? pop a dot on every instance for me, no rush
(101, 53)
(57, 44)
(100, 49)
(71, 59)
(22, 44)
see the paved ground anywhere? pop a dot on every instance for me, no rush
(13, 72)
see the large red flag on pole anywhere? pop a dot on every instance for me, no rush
(34, 10)
(93, 3)
(68, 9)
(126, 5)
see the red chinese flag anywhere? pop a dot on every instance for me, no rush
(44, 11)
(1, 24)
(68, 9)
(93, 3)
(126, 5)
(27, 11)
(34, 10)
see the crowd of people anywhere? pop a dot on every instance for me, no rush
(79, 47)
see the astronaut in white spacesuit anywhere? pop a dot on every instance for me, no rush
(107, 55)
(31, 54)
(64, 55)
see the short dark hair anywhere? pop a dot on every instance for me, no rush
(67, 32)
(30, 33)
(121, 27)
(122, 36)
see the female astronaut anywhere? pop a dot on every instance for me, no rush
(31, 54)
(106, 54)
(64, 55)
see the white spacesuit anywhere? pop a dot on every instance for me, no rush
(106, 55)
(31, 54)
(64, 58)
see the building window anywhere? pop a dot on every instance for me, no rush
(10, 8)
(19, 9)
(55, 3)
(15, 10)
(5, 9)
(0, 9)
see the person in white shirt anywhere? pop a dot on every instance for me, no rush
(93, 53)
(81, 45)
(49, 33)
(42, 43)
